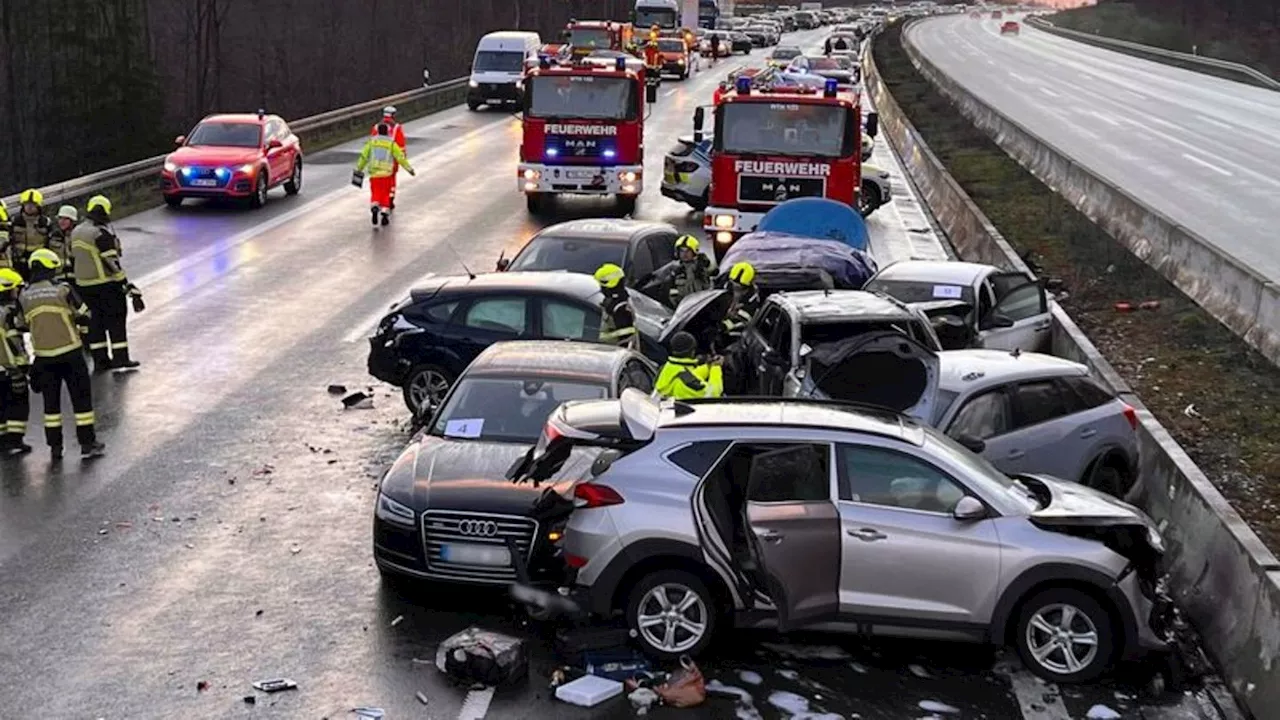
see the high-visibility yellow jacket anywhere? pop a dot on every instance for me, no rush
(95, 255)
(13, 351)
(54, 313)
(685, 378)
(380, 156)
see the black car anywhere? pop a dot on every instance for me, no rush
(742, 43)
(759, 37)
(582, 246)
(445, 511)
(426, 340)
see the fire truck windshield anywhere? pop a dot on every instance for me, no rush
(781, 128)
(581, 96)
(662, 17)
(590, 38)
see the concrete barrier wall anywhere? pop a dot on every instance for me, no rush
(1225, 580)
(1226, 287)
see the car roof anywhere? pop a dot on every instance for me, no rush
(836, 305)
(582, 361)
(602, 229)
(251, 118)
(936, 271)
(967, 370)
(788, 48)
(761, 412)
(576, 285)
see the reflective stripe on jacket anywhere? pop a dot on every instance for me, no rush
(380, 157)
(28, 234)
(95, 255)
(686, 378)
(53, 311)
(13, 351)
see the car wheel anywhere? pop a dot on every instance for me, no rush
(173, 201)
(426, 383)
(535, 203)
(701, 203)
(1064, 635)
(293, 185)
(472, 105)
(627, 204)
(869, 198)
(260, 192)
(1108, 478)
(672, 614)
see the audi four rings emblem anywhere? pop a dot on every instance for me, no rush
(478, 528)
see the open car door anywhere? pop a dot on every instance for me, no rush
(794, 533)
(1020, 319)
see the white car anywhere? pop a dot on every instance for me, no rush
(686, 172)
(973, 305)
(875, 192)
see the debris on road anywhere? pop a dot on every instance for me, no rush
(918, 671)
(422, 698)
(483, 656)
(642, 699)
(275, 685)
(202, 685)
(420, 661)
(250, 700)
(796, 705)
(337, 389)
(1102, 712)
(266, 469)
(372, 713)
(934, 706)
(808, 652)
(358, 401)
(750, 677)
(789, 674)
(589, 691)
(686, 686)
(103, 531)
(399, 619)
(619, 664)
(295, 549)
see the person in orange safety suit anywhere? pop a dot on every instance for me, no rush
(380, 158)
(397, 134)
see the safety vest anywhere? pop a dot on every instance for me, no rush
(689, 278)
(617, 324)
(29, 234)
(6, 259)
(380, 157)
(740, 313)
(686, 378)
(92, 263)
(52, 310)
(13, 351)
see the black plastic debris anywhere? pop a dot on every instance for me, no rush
(250, 700)
(357, 401)
(483, 656)
(275, 685)
(337, 389)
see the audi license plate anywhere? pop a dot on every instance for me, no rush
(473, 554)
(203, 182)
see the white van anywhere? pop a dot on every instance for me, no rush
(498, 68)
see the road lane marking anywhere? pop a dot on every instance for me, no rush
(1049, 92)
(671, 92)
(1219, 123)
(1037, 699)
(1209, 165)
(1022, 78)
(476, 706)
(365, 328)
(1104, 118)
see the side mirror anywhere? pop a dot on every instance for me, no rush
(426, 78)
(180, 140)
(873, 124)
(996, 321)
(274, 144)
(969, 509)
(503, 264)
(972, 444)
(650, 92)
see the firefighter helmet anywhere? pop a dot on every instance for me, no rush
(31, 195)
(99, 202)
(688, 242)
(609, 276)
(742, 273)
(9, 279)
(389, 111)
(45, 258)
(4, 214)
(69, 212)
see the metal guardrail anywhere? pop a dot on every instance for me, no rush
(150, 167)
(1256, 75)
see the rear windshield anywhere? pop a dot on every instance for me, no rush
(507, 409)
(910, 291)
(499, 61)
(225, 134)
(785, 53)
(824, 63)
(571, 254)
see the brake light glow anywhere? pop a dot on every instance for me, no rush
(592, 495)
(575, 561)
(1131, 415)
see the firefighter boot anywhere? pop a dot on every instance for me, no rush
(11, 444)
(101, 361)
(90, 452)
(120, 359)
(386, 218)
(373, 211)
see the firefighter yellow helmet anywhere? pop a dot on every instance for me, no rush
(45, 258)
(31, 195)
(687, 241)
(610, 276)
(99, 202)
(4, 214)
(742, 273)
(9, 279)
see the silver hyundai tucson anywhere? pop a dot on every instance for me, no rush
(792, 514)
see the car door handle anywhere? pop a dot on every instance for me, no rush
(1044, 324)
(1016, 454)
(867, 534)
(1088, 433)
(771, 536)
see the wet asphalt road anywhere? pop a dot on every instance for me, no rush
(225, 537)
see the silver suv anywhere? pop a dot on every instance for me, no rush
(820, 515)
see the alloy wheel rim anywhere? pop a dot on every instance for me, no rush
(262, 189)
(672, 618)
(426, 386)
(297, 175)
(1062, 639)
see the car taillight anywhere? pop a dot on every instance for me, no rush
(575, 561)
(592, 495)
(1131, 415)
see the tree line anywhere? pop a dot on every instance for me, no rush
(91, 84)
(1245, 31)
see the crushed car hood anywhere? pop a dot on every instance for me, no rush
(470, 475)
(1076, 504)
(882, 368)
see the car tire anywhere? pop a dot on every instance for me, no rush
(473, 106)
(1045, 612)
(259, 197)
(425, 380)
(1104, 476)
(293, 185)
(535, 203)
(627, 204)
(869, 199)
(676, 585)
(700, 204)
(173, 201)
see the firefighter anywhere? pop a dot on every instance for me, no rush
(685, 375)
(746, 300)
(60, 237)
(397, 134)
(56, 318)
(688, 273)
(617, 321)
(380, 156)
(653, 58)
(30, 229)
(6, 261)
(15, 401)
(101, 281)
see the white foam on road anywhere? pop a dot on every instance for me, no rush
(934, 706)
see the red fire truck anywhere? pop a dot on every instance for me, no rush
(585, 36)
(584, 129)
(775, 141)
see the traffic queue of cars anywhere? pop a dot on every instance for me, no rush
(894, 454)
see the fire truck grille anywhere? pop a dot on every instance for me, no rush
(766, 190)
